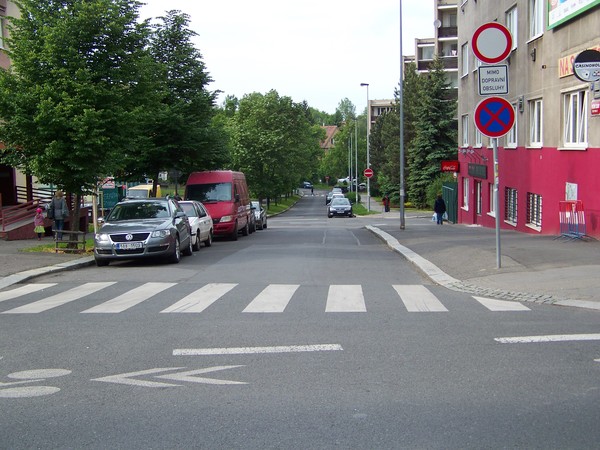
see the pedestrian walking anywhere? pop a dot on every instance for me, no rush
(58, 211)
(386, 203)
(440, 209)
(38, 223)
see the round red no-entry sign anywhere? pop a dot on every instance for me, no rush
(368, 173)
(492, 42)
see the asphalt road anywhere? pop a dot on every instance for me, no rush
(309, 334)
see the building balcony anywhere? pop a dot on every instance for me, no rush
(447, 32)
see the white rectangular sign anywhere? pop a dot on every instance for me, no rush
(493, 80)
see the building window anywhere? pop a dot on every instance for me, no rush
(511, 136)
(465, 199)
(464, 119)
(511, 25)
(2, 27)
(535, 123)
(534, 210)
(575, 119)
(536, 18)
(478, 138)
(478, 197)
(492, 200)
(510, 207)
(464, 55)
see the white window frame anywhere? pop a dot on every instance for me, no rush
(512, 25)
(464, 59)
(511, 136)
(492, 201)
(465, 129)
(575, 119)
(478, 138)
(465, 197)
(536, 18)
(511, 202)
(2, 30)
(534, 211)
(536, 123)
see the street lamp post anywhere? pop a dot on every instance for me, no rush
(401, 107)
(368, 159)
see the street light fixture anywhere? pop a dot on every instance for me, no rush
(368, 134)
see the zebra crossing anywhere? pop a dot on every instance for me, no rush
(274, 298)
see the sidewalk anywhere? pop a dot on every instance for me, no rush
(533, 267)
(537, 268)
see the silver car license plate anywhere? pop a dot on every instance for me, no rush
(129, 245)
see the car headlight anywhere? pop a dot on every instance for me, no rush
(160, 233)
(226, 219)
(102, 237)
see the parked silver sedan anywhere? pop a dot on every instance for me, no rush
(145, 228)
(259, 214)
(201, 223)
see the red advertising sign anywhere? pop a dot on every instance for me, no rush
(450, 166)
(595, 107)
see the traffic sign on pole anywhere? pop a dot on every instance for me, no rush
(494, 117)
(368, 172)
(491, 43)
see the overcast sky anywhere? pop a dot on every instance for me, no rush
(314, 50)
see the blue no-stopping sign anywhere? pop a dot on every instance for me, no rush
(494, 117)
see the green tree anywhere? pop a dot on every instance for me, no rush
(80, 80)
(180, 134)
(435, 134)
(274, 143)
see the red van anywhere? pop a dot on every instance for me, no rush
(224, 193)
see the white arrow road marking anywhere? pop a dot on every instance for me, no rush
(548, 338)
(127, 378)
(189, 376)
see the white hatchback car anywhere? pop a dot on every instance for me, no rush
(201, 223)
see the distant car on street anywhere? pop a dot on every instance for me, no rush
(260, 215)
(307, 185)
(339, 207)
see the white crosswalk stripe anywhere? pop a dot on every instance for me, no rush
(24, 290)
(345, 298)
(501, 305)
(60, 299)
(201, 299)
(418, 298)
(274, 298)
(130, 299)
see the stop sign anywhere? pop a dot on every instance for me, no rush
(368, 172)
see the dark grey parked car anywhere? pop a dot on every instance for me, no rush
(260, 215)
(143, 228)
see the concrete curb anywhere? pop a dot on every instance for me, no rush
(28, 274)
(438, 276)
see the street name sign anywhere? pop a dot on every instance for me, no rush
(493, 80)
(494, 117)
(492, 43)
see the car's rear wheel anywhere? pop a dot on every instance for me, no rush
(176, 256)
(196, 245)
(246, 230)
(209, 239)
(102, 262)
(265, 224)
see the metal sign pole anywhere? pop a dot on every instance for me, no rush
(497, 202)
